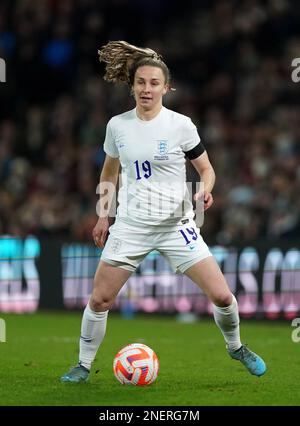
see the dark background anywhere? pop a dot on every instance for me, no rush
(231, 66)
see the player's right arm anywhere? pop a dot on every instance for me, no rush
(108, 182)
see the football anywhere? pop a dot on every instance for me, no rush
(136, 364)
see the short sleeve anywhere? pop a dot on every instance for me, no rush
(109, 146)
(189, 135)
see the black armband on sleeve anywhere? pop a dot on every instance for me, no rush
(195, 152)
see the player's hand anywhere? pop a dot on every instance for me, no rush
(206, 197)
(100, 232)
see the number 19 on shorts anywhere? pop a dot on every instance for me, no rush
(189, 233)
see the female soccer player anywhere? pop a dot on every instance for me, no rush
(150, 143)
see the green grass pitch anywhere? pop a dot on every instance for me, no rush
(194, 366)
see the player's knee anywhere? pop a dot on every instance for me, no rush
(100, 304)
(222, 299)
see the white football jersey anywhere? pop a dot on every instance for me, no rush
(151, 153)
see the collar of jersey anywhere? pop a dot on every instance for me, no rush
(147, 122)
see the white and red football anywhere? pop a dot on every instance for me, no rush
(136, 364)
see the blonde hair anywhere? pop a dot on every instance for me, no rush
(123, 59)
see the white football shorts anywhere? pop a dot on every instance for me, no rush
(126, 247)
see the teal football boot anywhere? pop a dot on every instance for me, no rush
(254, 363)
(76, 375)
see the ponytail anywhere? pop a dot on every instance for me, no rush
(122, 60)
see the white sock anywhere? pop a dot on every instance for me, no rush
(227, 319)
(93, 327)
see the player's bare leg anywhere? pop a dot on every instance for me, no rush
(108, 282)
(208, 276)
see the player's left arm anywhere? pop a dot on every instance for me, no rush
(208, 177)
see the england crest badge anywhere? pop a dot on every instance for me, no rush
(162, 149)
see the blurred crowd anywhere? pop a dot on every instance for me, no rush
(231, 67)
